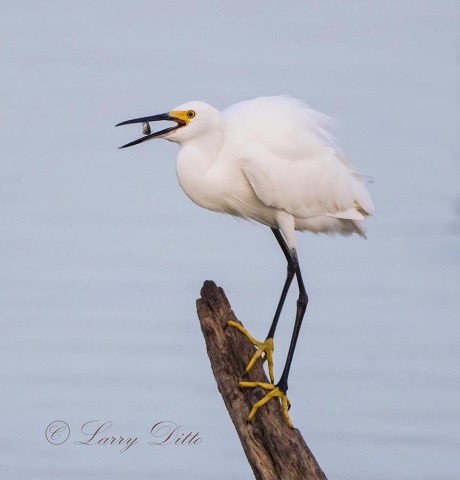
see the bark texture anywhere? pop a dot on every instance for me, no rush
(274, 451)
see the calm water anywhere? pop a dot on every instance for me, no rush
(102, 256)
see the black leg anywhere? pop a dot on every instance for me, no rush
(291, 270)
(301, 308)
(279, 390)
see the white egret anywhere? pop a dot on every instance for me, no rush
(271, 160)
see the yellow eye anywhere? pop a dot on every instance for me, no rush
(190, 114)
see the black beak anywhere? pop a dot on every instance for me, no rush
(154, 118)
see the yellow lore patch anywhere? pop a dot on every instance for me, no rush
(184, 115)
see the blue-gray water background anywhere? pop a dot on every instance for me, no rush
(102, 255)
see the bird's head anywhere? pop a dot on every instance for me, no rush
(193, 119)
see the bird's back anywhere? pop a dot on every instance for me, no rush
(293, 164)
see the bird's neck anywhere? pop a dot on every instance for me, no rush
(194, 168)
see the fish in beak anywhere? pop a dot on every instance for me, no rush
(146, 127)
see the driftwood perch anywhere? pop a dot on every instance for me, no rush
(274, 451)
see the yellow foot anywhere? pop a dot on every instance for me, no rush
(273, 392)
(265, 348)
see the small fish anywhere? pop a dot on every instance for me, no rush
(146, 128)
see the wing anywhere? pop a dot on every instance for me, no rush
(292, 162)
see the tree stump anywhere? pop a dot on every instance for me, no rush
(274, 451)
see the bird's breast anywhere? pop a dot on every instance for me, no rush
(217, 184)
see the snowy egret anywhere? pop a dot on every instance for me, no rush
(271, 160)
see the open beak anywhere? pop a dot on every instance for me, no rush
(154, 118)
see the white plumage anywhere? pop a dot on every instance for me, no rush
(270, 160)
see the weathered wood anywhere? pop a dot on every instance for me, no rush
(274, 451)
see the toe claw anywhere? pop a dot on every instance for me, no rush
(273, 392)
(266, 348)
